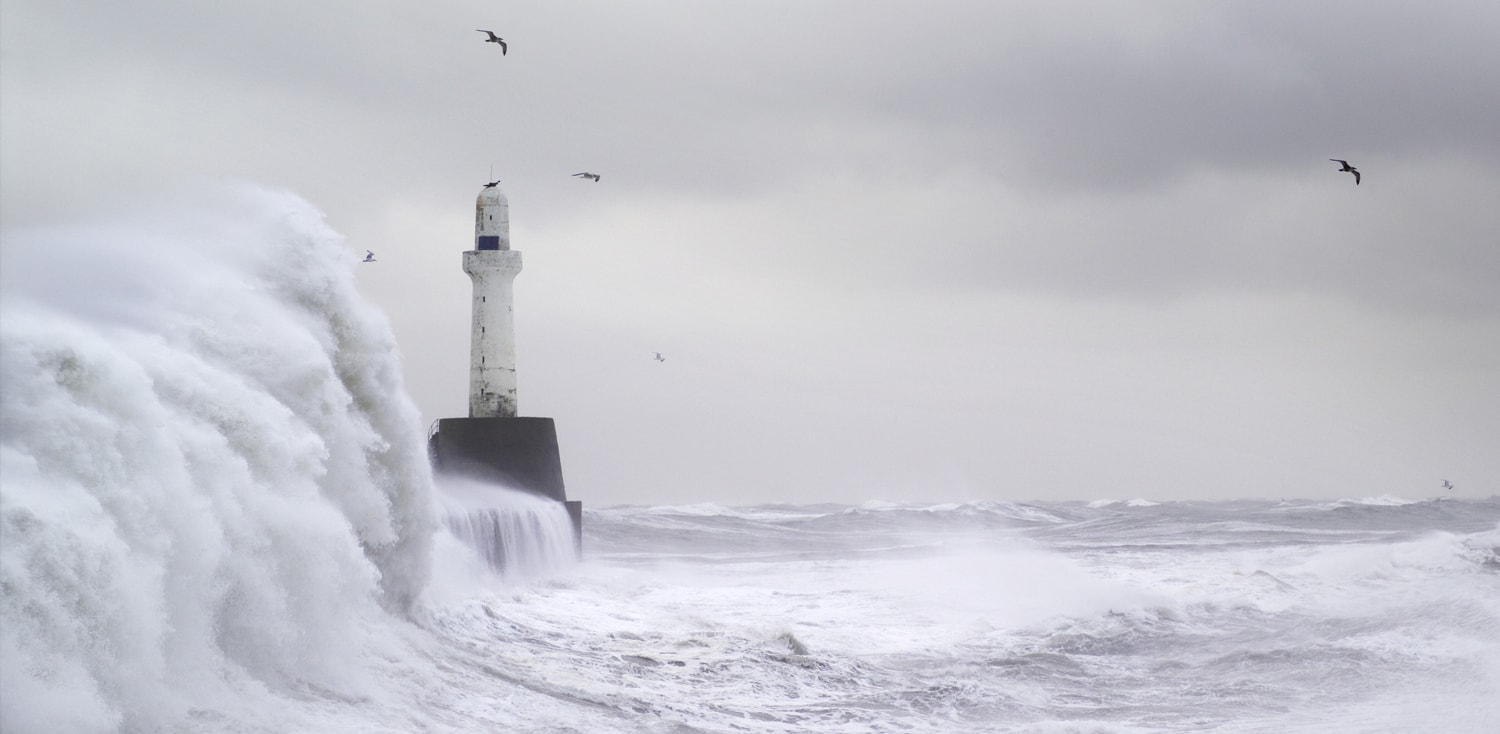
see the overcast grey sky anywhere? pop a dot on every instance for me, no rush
(911, 251)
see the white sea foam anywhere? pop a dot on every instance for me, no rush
(705, 509)
(1384, 500)
(1136, 502)
(988, 632)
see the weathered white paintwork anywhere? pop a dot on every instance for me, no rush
(492, 266)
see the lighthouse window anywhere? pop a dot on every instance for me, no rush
(481, 299)
(481, 329)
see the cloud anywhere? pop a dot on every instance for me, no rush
(851, 211)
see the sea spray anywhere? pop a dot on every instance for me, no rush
(212, 479)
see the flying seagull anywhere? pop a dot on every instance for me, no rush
(588, 175)
(1446, 485)
(494, 39)
(1347, 167)
(660, 358)
(369, 256)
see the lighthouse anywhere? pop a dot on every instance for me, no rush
(494, 444)
(492, 266)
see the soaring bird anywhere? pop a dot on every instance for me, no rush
(494, 39)
(586, 174)
(1446, 485)
(660, 358)
(369, 256)
(1347, 167)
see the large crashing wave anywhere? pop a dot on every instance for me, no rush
(212, 477)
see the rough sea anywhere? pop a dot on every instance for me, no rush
(216, 516)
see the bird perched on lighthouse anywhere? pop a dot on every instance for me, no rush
(1347, 167)
(494, 39)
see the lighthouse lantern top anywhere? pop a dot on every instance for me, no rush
(492, 220)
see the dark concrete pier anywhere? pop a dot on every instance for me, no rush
(519, 453)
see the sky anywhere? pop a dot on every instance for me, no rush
(930, 252)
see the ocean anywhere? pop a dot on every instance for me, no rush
(216, 516)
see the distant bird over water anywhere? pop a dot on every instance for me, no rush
(369, 256)
(494, 39)
(1447, 485)
(1347, 167)
(660, 358)
(588, 175)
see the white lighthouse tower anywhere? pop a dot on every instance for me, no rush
(494, 445)
(492, 266)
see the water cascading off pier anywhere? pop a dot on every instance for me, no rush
(517, 534)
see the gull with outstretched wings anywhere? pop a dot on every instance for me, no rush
(494, 39)
(1347, 167)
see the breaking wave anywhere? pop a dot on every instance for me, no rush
(213, 480)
